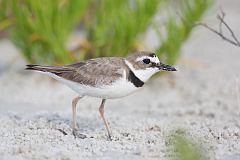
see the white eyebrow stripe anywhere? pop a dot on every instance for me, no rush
(141, 58)
(152, 59)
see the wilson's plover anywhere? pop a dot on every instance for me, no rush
(105, 78)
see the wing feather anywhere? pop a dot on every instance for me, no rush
(94, 71)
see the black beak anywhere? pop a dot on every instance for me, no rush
(166, 67)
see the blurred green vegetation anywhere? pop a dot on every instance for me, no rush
(42, 28)
(178, 31)
(185, 148)
(5, 22)
(117, 25)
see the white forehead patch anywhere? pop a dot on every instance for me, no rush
(152, 59)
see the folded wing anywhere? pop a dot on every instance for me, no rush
(93, 72)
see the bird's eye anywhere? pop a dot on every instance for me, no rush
(146, 61)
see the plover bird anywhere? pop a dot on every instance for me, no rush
(105, 78)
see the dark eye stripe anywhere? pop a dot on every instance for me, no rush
(154, 64)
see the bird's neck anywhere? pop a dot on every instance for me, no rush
(132, 77)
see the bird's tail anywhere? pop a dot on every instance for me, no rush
(58, 70)
(36, 67)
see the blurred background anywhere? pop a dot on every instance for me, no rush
(64, 31)
(202, 98)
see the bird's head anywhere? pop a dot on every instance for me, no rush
(144, 64)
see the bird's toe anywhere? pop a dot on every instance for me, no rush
(109, 138)
(77, 134)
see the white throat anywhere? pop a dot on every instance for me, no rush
(142, 74)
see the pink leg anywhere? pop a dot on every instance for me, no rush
(101, 110)
(74, 123)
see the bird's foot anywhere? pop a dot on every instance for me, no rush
(77, 134)
(109, 138)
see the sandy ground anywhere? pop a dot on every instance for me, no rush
(202, 97)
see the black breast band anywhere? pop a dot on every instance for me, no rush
(135, 80)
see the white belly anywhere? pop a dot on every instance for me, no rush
(117, 89)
